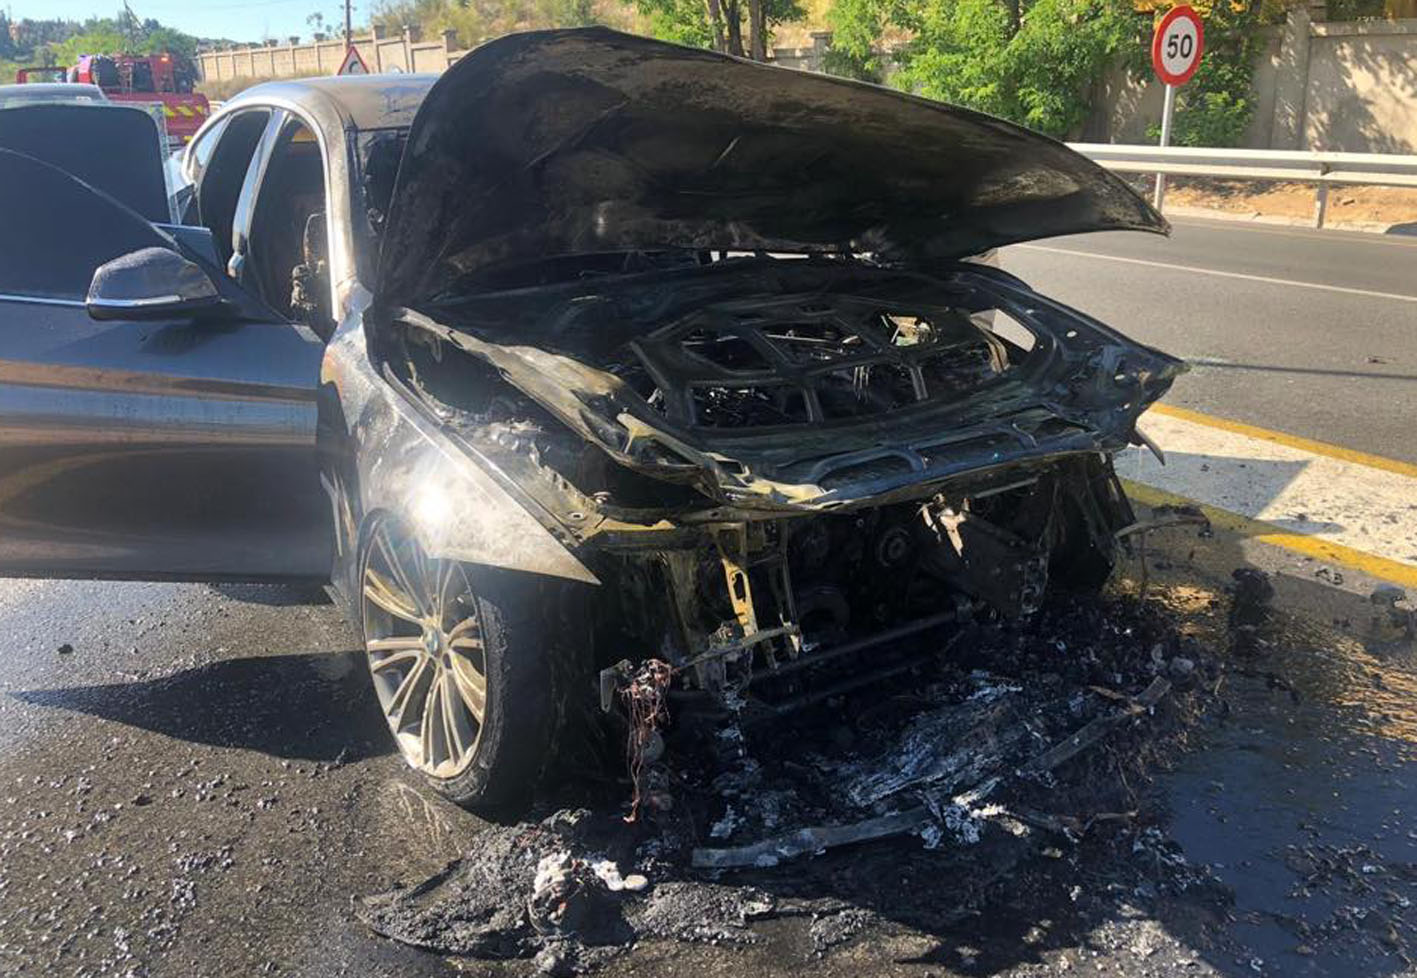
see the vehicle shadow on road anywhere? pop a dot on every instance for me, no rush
(299, 706)
(274, 595)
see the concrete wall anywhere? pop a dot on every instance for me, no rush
(381, 51)
(1123, 108)
(1361, 94)
(1126, 106)
(805, 59)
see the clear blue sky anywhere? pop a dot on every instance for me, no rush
(252, 20)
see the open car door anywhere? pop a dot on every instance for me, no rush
(117, 149)
(161, 426)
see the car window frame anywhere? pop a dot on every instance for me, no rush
(199, 187)
(250, 188)
(272, 140)
(339, 249)
(338, 153)
(210, 135)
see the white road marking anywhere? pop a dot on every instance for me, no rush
(1344, 502)
(1330, 235)
(1289, 283)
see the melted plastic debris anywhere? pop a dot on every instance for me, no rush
(966, 774)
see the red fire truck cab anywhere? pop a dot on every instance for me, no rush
(164, 78)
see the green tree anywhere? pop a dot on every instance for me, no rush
(1041, 62)
(1214, 108)
(97, 37)
(475, 21)
(166, 39)
(720, 24)
(7, 45)
(1033, 62)
(102, 35)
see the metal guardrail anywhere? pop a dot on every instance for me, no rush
(1322, 169)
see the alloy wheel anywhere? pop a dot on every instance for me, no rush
(426, 651)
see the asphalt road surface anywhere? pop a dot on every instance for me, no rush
(1313, 333)
(195, 781)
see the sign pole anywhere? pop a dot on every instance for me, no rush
(1168, 108)
(1176, 48)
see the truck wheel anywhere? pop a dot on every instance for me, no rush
(460, 668)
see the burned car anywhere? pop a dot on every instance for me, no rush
(593, 358)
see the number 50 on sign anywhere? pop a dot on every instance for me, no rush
(1176, 47)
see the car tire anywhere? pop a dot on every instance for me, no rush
(517, 726)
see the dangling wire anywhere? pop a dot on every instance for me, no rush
(644, 703)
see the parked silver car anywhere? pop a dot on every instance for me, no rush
(592, 352)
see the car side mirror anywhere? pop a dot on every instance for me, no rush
(151, 283)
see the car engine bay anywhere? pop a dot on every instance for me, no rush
(774, 465)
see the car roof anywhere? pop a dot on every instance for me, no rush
(50, 90)
(363, 101)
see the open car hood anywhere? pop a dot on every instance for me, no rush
(569, 142)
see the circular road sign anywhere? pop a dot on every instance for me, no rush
(1176, 47)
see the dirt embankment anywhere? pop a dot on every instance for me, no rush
(1391, 207)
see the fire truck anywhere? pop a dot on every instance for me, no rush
(165, 79)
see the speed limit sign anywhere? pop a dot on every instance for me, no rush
(1176, 48)
(1175, 54)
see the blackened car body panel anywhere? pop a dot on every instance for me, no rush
(584, 141)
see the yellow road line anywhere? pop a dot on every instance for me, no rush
(1290, 441)
(1268, 533)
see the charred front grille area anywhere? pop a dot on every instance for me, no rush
(794, 360)
(774, 465)
(779, 614)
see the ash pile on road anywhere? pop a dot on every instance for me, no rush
(917, 804)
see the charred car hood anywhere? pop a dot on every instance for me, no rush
(589, 141)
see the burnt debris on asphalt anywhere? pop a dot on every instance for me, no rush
(1030, 737)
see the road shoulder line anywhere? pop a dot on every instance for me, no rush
(1290, 441)
(1268, 533)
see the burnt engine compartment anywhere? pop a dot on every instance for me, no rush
(780, 469)
(772, 616)
(796, 359)
(788, 385)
